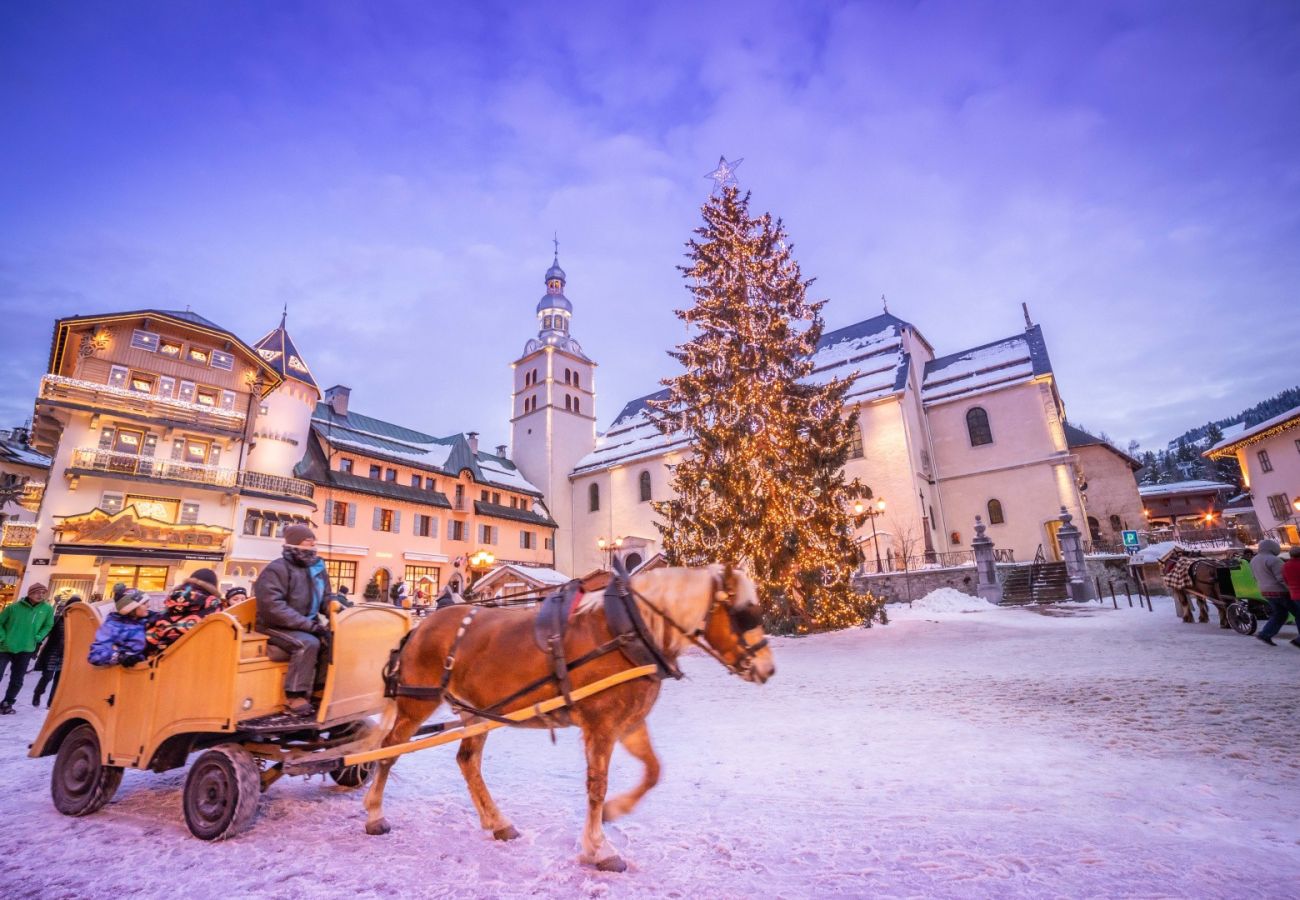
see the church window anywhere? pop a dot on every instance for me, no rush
(568, 402)
(643, 484)
(1116, 524)
(593, 498)
(568, 376)
(977, 425)
(855, 443)
(995, 513)
(575, 405)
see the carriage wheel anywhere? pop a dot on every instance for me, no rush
(80, 783)
(1241, 619)
(353, 776)
(221, 792)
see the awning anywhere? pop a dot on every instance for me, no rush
(112, 551)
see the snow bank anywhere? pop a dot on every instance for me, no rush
(941, 603)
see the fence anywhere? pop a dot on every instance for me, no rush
(950, 559)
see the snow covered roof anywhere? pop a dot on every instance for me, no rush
(18, 453)
(987, 367)
(445, 455)
(1176, 488)
(869, 354)
(538, 574)
(1256, 433)
(1076, 437)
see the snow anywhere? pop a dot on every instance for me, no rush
(434, 456)
(506, 475)
(1154, 553)
(942, 602)
(1236, 434)
(1182, 487)
(1064, 752)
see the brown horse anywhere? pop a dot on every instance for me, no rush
(1190, 576)
(495, 657)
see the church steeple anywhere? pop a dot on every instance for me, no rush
(554, 312)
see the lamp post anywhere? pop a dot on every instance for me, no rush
(481, 561)
(609, 548)
(872, 513)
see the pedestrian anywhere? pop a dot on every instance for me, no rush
(49, 659)
(1291, 577)
(193, 601)
(290, 595)
(23, 625)
(1267, 569)
(400, 599)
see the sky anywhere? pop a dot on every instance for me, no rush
(394, 173)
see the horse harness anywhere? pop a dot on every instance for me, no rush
(632, 637)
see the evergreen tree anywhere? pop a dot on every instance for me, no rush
(765, 483)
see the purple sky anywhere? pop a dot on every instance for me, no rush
(394, 173)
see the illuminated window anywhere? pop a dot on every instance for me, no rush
(110, 502)
(385, 520)
(196, 451)
(198, 356)
(206, 396)
(118, 376)
(144, 340)
(977, 425)
(163, 509)
(342, 572)
(339, 513)
(142, 384)
(169, 347)
(143, 578)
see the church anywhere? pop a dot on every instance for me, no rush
(942, 439)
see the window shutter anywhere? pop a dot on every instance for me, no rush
(352, 515)
(378, 514)
(523, 543)
(214, 455)
(496, 535)
(433, 526)
(329, 512)
(397, 521)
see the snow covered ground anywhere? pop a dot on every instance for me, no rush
(993, 752)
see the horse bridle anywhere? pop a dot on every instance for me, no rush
(741, 620)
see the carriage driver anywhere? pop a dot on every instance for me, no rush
(290, 595)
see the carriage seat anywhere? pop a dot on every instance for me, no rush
(275, 654)
(553, 615)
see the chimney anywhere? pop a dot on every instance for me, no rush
(472, 437)
(501, 451)
(337, 398)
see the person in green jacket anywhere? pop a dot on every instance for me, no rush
(23, 625)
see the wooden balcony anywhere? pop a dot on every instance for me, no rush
(18, 534)
(93, 396)
(107, 462)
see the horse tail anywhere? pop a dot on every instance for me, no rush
(387, 719)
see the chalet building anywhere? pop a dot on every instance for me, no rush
(399, 504)
(23, 472)
(1269, 456)
(1185, 504)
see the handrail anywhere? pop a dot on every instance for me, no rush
(60, 386)
(116, 462)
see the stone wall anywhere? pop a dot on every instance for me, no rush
(904, 587)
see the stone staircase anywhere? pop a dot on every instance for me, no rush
(1039, 582)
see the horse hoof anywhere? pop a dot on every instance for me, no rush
(509, 833)
(380, 827)
(612, 864)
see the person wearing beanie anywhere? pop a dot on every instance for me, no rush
(290, 595)
(189, 604)
(49, 659)
(120, 640)
(23, 625)
(235, 595)
(1267, 569)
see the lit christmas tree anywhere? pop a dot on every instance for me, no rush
(765, 484)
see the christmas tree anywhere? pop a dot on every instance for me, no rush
(765, 485)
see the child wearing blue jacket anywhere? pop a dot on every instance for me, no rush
(120, 639)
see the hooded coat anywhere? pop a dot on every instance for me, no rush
(184, 609)
(23, 625)
(1267, 569)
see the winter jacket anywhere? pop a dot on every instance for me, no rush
(23, 625)
(120, 640)
(183, 610)
(1291, 575)
(289, 595)
(1267, 569)
(50, 659)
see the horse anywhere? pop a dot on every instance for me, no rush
(485, 663)
(1190, 575)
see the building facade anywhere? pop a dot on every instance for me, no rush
(23, 473)
(1269, 457)
(1110, 490)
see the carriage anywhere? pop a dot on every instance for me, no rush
(1226, 583)
(218, 692)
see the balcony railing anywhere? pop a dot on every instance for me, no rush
(276, 484)
(114, 463)
(32, 493)
(18, 534)
(96, 395)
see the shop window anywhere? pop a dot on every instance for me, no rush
(995, 512)
(422, 580)
(977, 426)
(143, 578)
(144, 340)
(342, 573)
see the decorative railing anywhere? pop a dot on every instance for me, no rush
(949, 559)
(276, 484)
(33, 491)
(114, 463)
(1114, 548)
(18, 534)
(94, 394)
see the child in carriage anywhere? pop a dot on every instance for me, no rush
(193, 601)
(120, 639)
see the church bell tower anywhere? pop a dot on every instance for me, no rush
(553, 412)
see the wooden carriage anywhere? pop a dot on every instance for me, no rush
(219, 690)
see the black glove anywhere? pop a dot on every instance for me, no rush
(320, 630)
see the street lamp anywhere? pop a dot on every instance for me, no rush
(872, 513)
(609, 548)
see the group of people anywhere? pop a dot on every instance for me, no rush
(1279, 583)
(290, 594)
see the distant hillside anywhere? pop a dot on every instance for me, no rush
(1266, 409)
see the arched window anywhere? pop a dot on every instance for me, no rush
(1094, 528)
(1116, 524)
(995, 513)
(575, 378)
(568, 402)
(593, 497)
(643, 484)
(575, 405)
(568, 376)
(977, 424)
(631, 561)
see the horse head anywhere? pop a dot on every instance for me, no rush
(733, 625)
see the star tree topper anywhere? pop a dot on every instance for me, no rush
(725, 173)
